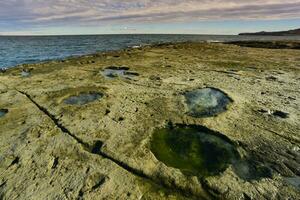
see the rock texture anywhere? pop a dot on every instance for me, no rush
(101, 149)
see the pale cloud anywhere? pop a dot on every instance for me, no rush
(34, 12)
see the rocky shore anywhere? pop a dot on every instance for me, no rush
(268, 44)
(169, 121)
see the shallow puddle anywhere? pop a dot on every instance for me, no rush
(115, 72)
(206, 102)
(3, 112)
(195, 150)
(83, 98)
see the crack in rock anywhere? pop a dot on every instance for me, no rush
(53, 118)
(96, 149)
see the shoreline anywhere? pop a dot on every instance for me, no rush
(286, 44)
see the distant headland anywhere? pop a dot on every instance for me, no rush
(277, 33)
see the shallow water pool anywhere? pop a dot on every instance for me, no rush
(83, 98)
(206, 102)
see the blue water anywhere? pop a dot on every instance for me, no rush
(15, 50)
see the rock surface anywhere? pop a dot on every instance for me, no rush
(101, 149)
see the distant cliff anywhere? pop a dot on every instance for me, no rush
(278, 33)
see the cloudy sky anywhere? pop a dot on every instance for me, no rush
(146, 16)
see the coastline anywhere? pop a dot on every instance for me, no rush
(284, 44)
(31, 49)
(97, 147)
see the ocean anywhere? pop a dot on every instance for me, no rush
(16, 50)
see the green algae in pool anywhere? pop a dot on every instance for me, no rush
(195, 150)
(206, 102)
(3, 112)
(83, 98)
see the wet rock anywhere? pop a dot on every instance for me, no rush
(206, 102)
(83, 98)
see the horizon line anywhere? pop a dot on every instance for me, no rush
(30, 35)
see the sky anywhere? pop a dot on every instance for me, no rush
(65, 17)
